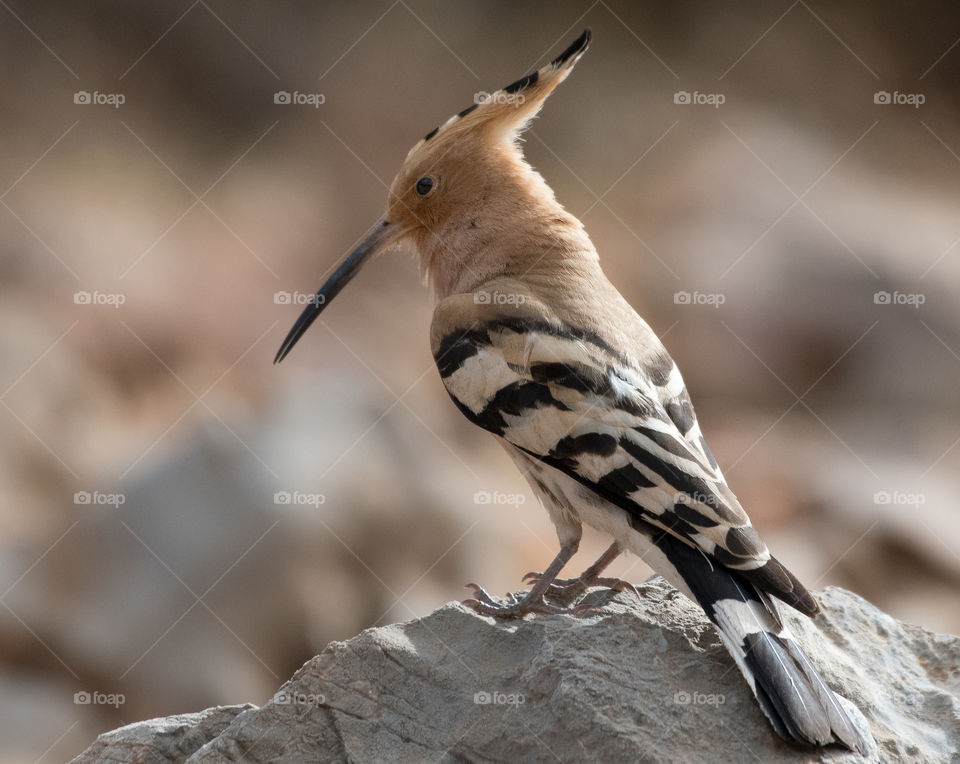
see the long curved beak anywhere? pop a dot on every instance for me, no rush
(381, 236)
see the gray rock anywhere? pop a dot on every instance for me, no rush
(160, 741)
(635, 680)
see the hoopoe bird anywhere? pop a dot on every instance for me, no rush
(535, 345)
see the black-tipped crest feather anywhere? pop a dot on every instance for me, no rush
(568, 57)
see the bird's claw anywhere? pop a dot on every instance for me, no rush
(562, 595)
(617, 585)
(510, 606)
(569, 591)
(482, 596)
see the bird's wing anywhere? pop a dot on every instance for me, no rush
(626, 430)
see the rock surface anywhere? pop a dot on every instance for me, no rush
(168, 739)
(633, 681)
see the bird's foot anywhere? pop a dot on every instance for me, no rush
(569, 591)
(510, 606)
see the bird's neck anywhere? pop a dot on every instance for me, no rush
(529, 237)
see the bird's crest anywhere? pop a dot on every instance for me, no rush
(509, 110)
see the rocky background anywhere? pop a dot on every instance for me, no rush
(184, 525)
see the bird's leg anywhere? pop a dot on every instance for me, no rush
(567, 591)
(533, 601)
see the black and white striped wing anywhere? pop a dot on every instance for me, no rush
(625, 430)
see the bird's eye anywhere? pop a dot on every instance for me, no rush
(425, 186)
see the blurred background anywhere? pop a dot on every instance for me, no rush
(774, 186)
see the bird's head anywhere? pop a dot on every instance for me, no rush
(465, 198)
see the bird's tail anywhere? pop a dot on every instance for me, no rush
(788, 688)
